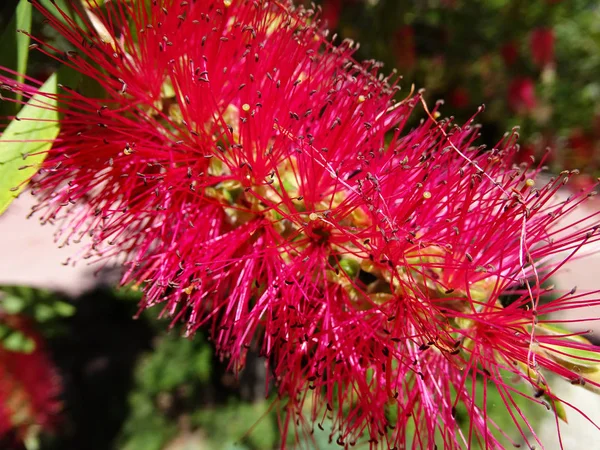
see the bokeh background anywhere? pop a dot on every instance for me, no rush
(532, 64)
(137, 384)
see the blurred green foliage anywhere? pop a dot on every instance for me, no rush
(170, 373)
(46, 308)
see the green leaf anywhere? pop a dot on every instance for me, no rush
(553, 330)
(578, 360)
(23, 18)
(64, 309)
(43, 313)
(69, 77)
(15, 50)
(4, 330)
(12, 304)
(558, 408)
(18, 342)
(67, 11)
(56, 6)
(350, 266)
(568, 355)
(25, 142)
(38, 303)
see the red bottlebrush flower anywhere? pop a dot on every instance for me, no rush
(581, 146)
(331, 13)
(521, 95)
(257, 180)
(29, 385)
(525, 153)
(510, 53)
(583, 182)
(449, 3)
(404, 44)
(596, 126)
(459, 98)
(542, 46)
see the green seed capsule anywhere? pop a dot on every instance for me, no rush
(350, 266)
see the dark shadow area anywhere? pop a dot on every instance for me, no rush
(96, 358)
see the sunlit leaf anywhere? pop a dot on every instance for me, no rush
(566, 349)
(578, 360)
(26, 141)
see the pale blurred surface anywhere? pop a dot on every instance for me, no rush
(583, 273)
(580, 433)
(31, 257)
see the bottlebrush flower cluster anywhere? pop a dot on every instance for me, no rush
(542, 46)
(255, 179)
(29, 386)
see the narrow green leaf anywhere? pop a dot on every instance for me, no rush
(554, 330)
(93, 3)
(564, 349)
(587, 382)
(25, 142)
(23, 18)
(15, 52)
(558, 408)
(56, 6)
(578, 360)
(69, 77)
(72, 9)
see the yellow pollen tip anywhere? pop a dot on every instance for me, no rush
(361, 98)
(313, 216)
(246, 107)
(188, 290)
(529, 182)
(436, 114)
(227, 3)
(426, 195)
